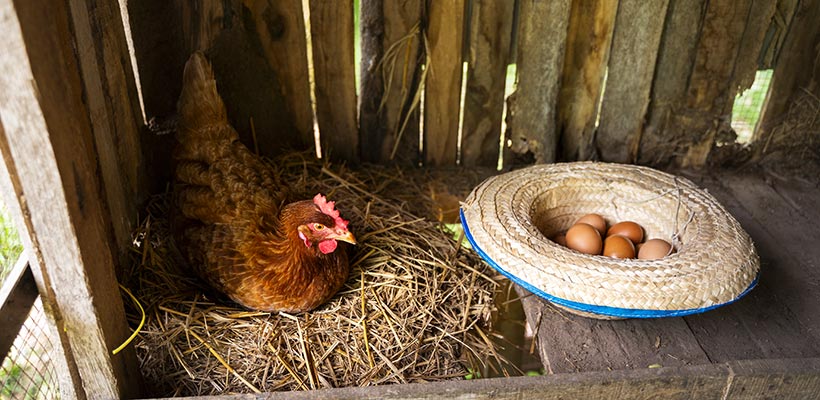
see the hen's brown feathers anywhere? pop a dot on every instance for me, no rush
(233, 224)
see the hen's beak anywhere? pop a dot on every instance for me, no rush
(346, 237)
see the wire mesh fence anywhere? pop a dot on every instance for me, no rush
(748, 105)
(27, 371)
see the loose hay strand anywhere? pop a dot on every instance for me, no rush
(406, 314)
(224, 363)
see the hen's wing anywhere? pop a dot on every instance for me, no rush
(222, 190)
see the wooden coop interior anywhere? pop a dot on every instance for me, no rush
(88, 93)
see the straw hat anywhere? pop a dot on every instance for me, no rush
(508, 219)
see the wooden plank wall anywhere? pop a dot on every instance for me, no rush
(612, 80)
(49, 143)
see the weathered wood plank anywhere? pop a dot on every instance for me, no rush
(776, 35)
(259, 53)
(391, 51)
(442, 91)
(68, 378)
(786, 378)
(570, 343)
(113, 104)
(331, 26)
(757, 24)
(582, 79)
(532, 109)
(17, 295)
(279, 27)
(371, 121)
(774, 379)
(709, 93)
(48, 139)
(660, 142)
(797, 70)
(639, 25)
(490, 38)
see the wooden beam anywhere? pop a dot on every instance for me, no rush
(710, 93)
(390, 70)
(49, 141)
(635, 44)
(785, 378)
(442, 91)
(331, 25)
(17, 295)
(532, 109)
(660, 141)
(117, 120)
(797, 72)
(490, 39)
(589, 39)
(11, 192)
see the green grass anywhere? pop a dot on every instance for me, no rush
(10, 246)
(747, 106)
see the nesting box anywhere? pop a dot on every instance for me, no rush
(87, 89)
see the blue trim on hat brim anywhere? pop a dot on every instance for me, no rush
(591, 308)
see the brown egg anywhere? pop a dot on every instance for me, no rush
(560, 239)
(618, 246)
(654, 249)
(629, 229)
(598, 222)
(584, 238)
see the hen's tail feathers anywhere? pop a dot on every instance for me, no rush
(200, 107)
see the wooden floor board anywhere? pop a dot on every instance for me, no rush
(785, 238)
(571, 343)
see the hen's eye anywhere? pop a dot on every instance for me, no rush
(318, 227)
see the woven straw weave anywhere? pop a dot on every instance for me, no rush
(510, 217)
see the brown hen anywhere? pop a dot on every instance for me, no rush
(235, 224)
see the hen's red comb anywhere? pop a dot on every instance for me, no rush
(327, 207)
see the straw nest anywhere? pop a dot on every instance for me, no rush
(415, 308)
(510, 217)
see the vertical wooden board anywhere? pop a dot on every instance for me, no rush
(532, 108)
(797, 71)
(116, 116)
(258, 49)
(331, 26)
(760, 16)
(635, 42)
(391, 65)
(676, 58)
(11, 192)
(276, 29)
(490, 38)
(709, 93)
(776, 34)
(371, 125)
(159, 55)
(49, 141)
(402, 29)
(160, 52)
(442, 91)
(589, 39)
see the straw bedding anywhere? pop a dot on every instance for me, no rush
(415, 308)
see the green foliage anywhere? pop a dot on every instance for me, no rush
(10, 246)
